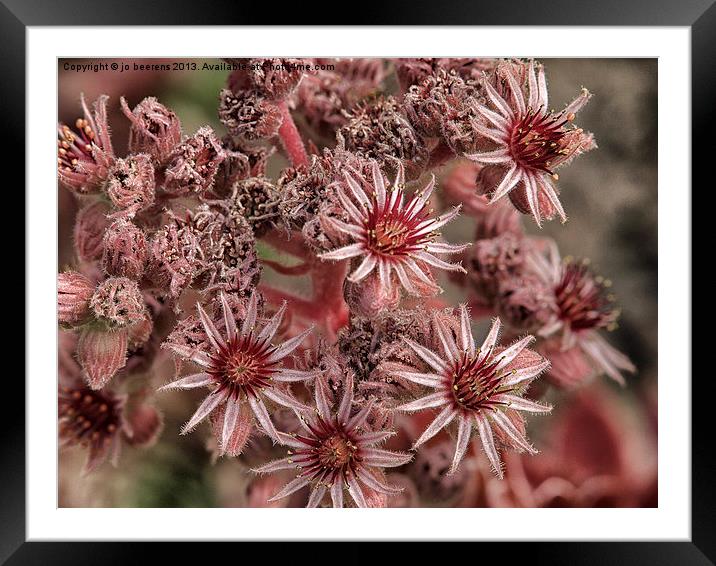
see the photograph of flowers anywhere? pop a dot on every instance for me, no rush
(357, 282)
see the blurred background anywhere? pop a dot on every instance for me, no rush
(610, 195)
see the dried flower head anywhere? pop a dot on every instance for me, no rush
(174, 256)
(90, 225)
(124, 251)
(530, 142)
(325, 97)
(85, 154)
(257, 199)
(118, 302)
(304, 190)
(130, 184)
(242, 367)
(277, 78)
(227, 245)
(74, 292)
(248, 115)
(525, 303)
(391, 235)
(155, 130)
(334, 451)
(494, 260)
(378, 130)
(193, 164)
(480, 387)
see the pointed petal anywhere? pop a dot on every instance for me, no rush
(344, 410)
(207, 406)
(363, 269)
(189, 382)
(505, 424)
(250, 318)
(446, 339)
(293, 375)
(379, 184)
(464, 430)
(498, 101)
(195, 356)
(511, 178)
(440, 422)
(288, 346)
(436, 262)
(284, 399)
(360, 417)
(405, 280)
(429, 379)
(356, 215)
(532, 199)
(532, 83)
(521, 404)
(488, 443)
(269, 331)
(262, 415)
(489, 344)
(316, 496)
(275, 466)
(229, 321)
(215, 338)
(345, 252)
(372, 482)
(543, 98)
(428, 356)
(230, 416)
(445, 248)
(466, 340)
(517, 376)
(356, 492)
(337, 494)
(323, 402)
(291, 487)
(385, 458)
(543, 182)
(433, 400)
(578, 103)
(371, 438)
(356, 190)
(509, 354)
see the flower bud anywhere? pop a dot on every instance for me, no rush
(155, 129)
(248, 115)
(101, 353)
(145, 422)
(125, 250)
(118, 302)
(130, 184)
(74, 292)
(138, 333)
(193, 164)
(90, 224)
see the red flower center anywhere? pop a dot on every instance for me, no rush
(242, 366)
(87, 417)
(392, 231)
(475, 381)
(582, 299)
(336, 451)
(537, 139)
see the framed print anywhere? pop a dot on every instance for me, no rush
(360, 283)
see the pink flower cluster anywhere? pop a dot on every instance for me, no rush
(370, 389)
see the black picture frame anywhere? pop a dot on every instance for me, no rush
(698, 15)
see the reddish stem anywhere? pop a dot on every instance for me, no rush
(291, 139)
(294, 246)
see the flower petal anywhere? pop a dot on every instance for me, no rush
(207, 406)
(440, 422)
(189, 382)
